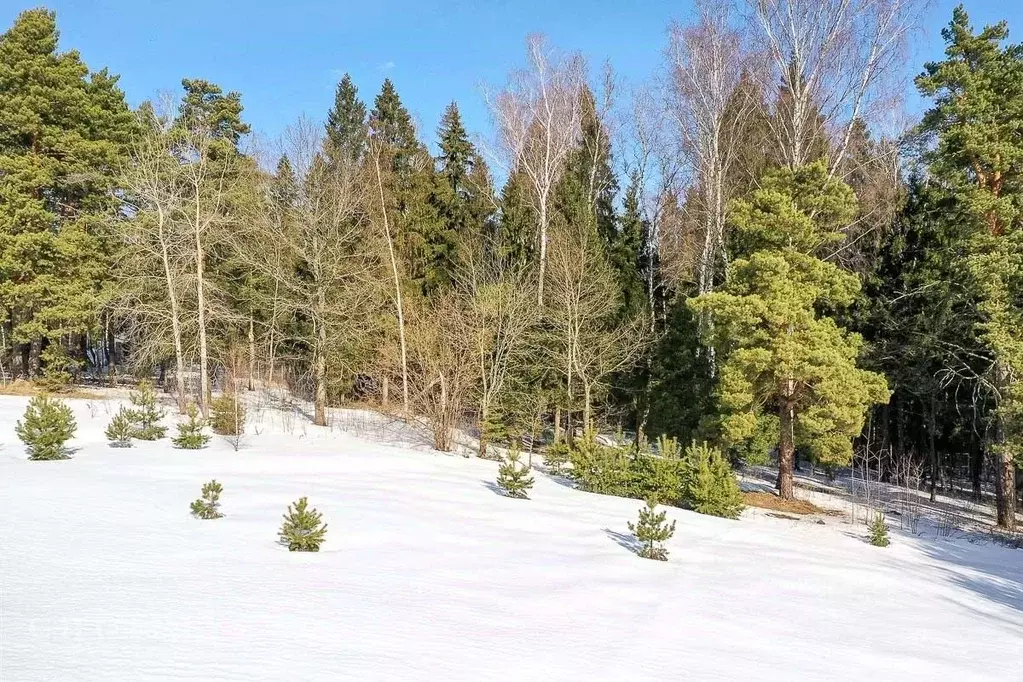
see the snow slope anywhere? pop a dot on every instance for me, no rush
(429, 574)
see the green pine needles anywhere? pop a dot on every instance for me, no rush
(713, 490)
(303, 529)
(190, 433)
(146, 413)
(513, 476)
(652, 530)
(208, 506)
(227, 415)
(121, 429)
(47, 425)
(879, 531)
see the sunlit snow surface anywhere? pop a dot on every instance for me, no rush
(429, 574)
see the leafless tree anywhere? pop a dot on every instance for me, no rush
(838, 61)
(537, 117)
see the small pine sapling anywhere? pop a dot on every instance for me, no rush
(879, 531)
(47, 425)
(513, 476)
(190, 433)
(714, 490)
(147, 413)
(303, 529)
(121, 429)
(208, 506)
(227, 415)
(651, 530)
(557, 456)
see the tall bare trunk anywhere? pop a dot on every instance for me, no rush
(543, 251)
(200, 292)
(1005, 466)
(179, 353)
(786, 451)
(252, 354)
(933, 452)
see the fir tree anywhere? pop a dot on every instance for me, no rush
(303, 529)
(121, 429)
(146, 412)
(775, 346)
(879, 531)
(208, 505)
(513, 476)
(652, 531)
(47, 425)
(190, 433)
(346, 124)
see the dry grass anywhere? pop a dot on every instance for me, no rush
(27, 388)
(775, 503)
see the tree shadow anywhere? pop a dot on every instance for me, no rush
(628, 541)
(494, 488)
(992, 571)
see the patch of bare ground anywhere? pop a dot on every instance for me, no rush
(765, 500)
(28, 388)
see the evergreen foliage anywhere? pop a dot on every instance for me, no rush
(190, 433)
(45, 428)
(879, 531)
(146, 412)
(303, 529)
(601, 468)
(346, 124)
(556, 456)
(121, 429)
(208, 505)
(713, 489)
(227, 415)
(513, 476)
(652, 530)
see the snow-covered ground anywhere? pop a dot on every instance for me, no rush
(429, 574)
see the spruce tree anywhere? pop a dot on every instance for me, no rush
(513, 476)
(121, 429)
(47, 425)
(190, 433)
(208, 505)
(775, 345)
(303, 529)
(652, 530)
(64, 133)
(346, 124)
(879, 531)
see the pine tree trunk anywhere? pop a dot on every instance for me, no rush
(786, 451)
(931, 427)
(35, 351)
(1005, 478)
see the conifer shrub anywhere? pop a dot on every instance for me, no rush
(147, 413)
(227, 415)
(557, 456)
(879, 531)
(652, 530)
(665, 475)
(208, 505)
(190, 433)
(602, 469)
(513, 476)
(121, 429)
(303, 529)
(45, 428)
(713, 489)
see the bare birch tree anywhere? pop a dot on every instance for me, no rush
(537, 118)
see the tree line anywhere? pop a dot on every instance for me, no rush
(752, 249)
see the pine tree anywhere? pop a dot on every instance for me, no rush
(652, 530)
(513, 476)
(774, 344)
(64, 133)
(713, 490)
(47, 425)
(121, 429)
(208, 505)
(206, 107)
(190, 433)
(228, 415)
(146, 412)
(976, 154)
(346, 124)
(879, 531)
(303, 529)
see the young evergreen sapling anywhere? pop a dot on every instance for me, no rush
(208, 506)
(513, 476)
(879, 531)
(714, 490)
(190, 433)
(147, 413)
(227, 415)
(47, 425)
(303, 529)
(651, 530)
(121, 429)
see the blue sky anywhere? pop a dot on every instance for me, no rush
(285, 56)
